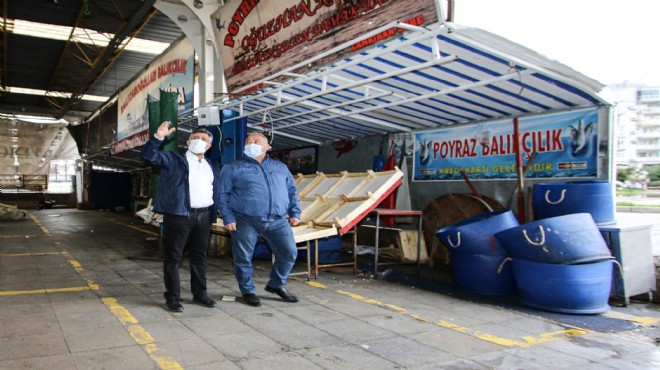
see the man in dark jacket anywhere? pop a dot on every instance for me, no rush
(256, 195)
(188, 199)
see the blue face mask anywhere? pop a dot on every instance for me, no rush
(253, 150)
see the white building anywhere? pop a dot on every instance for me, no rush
(636, 123)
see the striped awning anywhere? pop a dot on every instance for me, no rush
(426, 78)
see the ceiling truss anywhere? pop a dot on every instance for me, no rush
(82, 63)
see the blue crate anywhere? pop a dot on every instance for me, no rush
(330, 250)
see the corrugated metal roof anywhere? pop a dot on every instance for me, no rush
(32, 61)
(425, 79)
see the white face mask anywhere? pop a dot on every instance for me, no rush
(253, 150)
(197, 146)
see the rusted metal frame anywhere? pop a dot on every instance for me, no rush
(3, 51)
(519, 171)
(53, 91)
(103, 59)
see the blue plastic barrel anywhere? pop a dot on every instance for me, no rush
(563, 198)
(475, 235)
(330, 250)
(568, 239)
(479, 274)
(575, 289)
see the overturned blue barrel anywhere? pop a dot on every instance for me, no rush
(475, 235)
(568, 239)
(563, 198)
(483, 274)
(575, 289)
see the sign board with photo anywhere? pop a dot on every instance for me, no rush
(564, 144)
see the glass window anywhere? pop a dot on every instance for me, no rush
(60, 177)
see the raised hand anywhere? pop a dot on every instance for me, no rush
(164, 130)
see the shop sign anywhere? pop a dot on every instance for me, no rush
(260, 38)
(563, 144)
(173, 71)
(129, 143)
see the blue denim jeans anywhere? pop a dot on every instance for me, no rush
(279, 236)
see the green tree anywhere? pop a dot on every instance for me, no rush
(623, 174)
(654, 172)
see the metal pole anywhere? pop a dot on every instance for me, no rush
(519, 171)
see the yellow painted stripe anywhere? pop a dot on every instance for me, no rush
(372, 301)
(136, 228)
(42, 291)
(315, 284)
(130, 322)
(17, 236)
(646, 320)
(525, 341)
(139, 335)
(76, 265)
(29, 254)
(79, 269)
(36, 221)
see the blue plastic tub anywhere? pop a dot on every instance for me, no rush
(563, 198)
(574, 289)
(475, 235)
(479, 274)
(330, 250)
(262, 251)
(565, 240)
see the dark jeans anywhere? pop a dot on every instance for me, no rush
(181, 231)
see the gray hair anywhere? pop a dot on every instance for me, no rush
(202, 130)
(258, 133)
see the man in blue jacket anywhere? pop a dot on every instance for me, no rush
(257, 194)
(187, 197)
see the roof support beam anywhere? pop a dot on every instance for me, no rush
(412, 39)
(299, 138)
(353, 84)
(78, 68)
(3, 49)
(356, 113)
(356, 101)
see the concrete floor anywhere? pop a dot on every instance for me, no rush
(71, 298)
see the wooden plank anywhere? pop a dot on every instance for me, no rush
(399, 243)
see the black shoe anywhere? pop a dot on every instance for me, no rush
(251, 300)
(205, 301)
(283, 293)
(174, 306)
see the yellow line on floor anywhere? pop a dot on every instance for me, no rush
(36, 221)
(134, 228)
(42, 291)
(525, 341)
(29, 254)
(17, 236)
(137, 228)
(140, 336)
(632, 318)
(372, 301)
(130, 322)
(646, 320)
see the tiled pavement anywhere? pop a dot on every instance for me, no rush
(71, 298)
